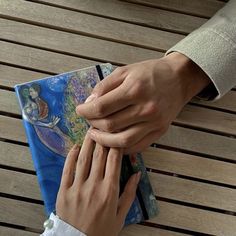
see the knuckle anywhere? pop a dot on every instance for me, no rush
(100, 152)
(99, 109)
(136, 89)
(99, 87)
(110, 191)
(119, 70)
(125, 141)
(109, 125)
(150, 109)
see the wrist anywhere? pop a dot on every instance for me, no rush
(191, 77)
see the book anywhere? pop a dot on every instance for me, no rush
(52, 127)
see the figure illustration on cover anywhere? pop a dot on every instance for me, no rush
(54, 118)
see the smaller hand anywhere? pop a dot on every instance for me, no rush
(88, 198)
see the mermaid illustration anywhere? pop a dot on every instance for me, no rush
(36, 112)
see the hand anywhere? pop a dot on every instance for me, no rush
(135, 105)
(88, 198)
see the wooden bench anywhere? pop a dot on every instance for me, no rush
(192, 168)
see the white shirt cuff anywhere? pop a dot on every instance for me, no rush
(57, 227)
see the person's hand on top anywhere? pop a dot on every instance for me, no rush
(135, 105)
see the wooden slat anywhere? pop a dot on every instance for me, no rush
(79, 45)
(205, 8)
(189, 165)
(164, 186)
(193, 192)
(11, 128)
(201, 142)
(85, 24)
(8, 76)
(196, 117)
(18, 156)
(5, 231)
(40, 59)
(14, 155)
(136, 14)
(178, 137)
(23, 213)
(195, 219)
(140, 230)
(9, 102)
(19, 184)
(227, 102)
(199, 117)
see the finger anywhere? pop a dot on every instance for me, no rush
(123, 139)
(113, 165)
(69, 167)
(145, 142)
(105, 105)
(84, 160)
(127, 197)
(120, 120)
(98, 162)
(109, 83)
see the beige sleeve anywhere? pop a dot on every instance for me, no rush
(213, 48)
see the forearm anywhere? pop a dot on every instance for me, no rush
(192, 78)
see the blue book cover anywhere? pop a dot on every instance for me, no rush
(52, 127)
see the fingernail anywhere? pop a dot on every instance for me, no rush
(76, 147)
(91, 98)
(137, 177)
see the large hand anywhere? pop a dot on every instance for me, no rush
(88, 198)
(136, 103)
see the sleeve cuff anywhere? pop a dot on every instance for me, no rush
(215, 54)
(57, 227)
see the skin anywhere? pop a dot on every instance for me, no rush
(136, 104)
(88, 198)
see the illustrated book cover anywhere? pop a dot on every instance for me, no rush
(52, 127)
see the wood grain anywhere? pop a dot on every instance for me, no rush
(21, 213)
(226, 102)
(151, 17)
(140, 230)
(79, 45)
(19, 184)
(5, 231)
(82, 23)
(200, 142)
(202, 8)
(8, 76)
(14, 155)
(38, 59)
(206, 119)
(190, 165)
(195, 219)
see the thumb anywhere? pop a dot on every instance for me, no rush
(109, 83)
(128, 196)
